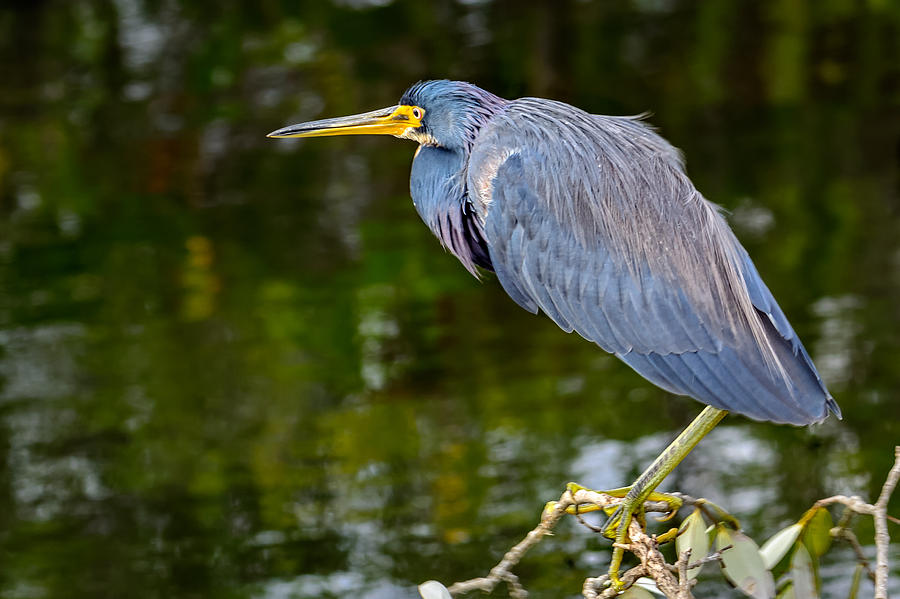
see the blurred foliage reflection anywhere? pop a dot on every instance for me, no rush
(233, 367)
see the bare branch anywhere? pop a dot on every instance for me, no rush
(598, 588)
(516, 590)
(855, 503)
(682, 567)
(646, 546)
(882, 539)
(503, 570)
(712, 557)
(653, 563)
(878, 511)
(592, 587)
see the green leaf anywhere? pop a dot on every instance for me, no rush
(432, 589)
(635, 592)
(802, 574)
(692, 535)
(817, 532)
(779, 544)
(854, 585)
(742, 564)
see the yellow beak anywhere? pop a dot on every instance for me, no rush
(387, 121)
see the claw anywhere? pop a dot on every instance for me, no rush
(667, 516)
(667, 536)
(616, 582)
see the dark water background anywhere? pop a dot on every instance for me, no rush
(239, 367)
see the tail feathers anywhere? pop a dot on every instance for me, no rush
(833, 407)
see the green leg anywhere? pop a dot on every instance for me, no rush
(650, 479)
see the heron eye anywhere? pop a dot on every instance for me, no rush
(417, 112)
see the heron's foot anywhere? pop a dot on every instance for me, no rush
(621, 514)
(673, 503)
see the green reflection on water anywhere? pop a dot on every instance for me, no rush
(233, 367)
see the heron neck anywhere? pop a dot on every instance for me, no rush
(438, 189)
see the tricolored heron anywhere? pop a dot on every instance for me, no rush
(592, 220)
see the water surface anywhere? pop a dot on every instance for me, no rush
(236, 367)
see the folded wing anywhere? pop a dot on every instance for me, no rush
(626, 253)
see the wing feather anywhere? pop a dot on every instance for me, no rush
(653, 276)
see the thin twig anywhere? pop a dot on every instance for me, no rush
(682, 566)
(846, 518)
(712, 557)
(586, 524)
(854, 502)
(516, 590)
(848, 535)
(598, 588)
(503, 570)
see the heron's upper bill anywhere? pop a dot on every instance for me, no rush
(394, 120)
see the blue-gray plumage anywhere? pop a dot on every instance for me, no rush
(592, 220)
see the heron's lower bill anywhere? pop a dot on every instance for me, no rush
(394, 120)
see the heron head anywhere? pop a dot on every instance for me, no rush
(454, 111)
(440, 113)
